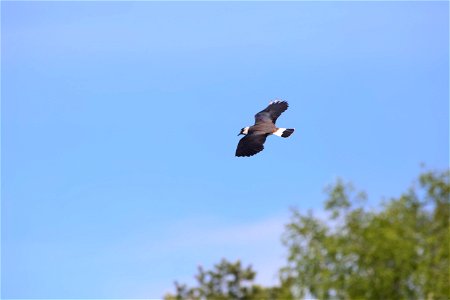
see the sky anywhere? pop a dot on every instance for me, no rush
(119, 124)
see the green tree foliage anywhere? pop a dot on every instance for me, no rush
(398, 252)
(227, 281)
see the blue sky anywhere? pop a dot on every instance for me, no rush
(119, 124)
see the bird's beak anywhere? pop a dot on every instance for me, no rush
(239, 133)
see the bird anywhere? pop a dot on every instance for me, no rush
(255, 136)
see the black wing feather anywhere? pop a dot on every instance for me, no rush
(271, 112)
(251, 144)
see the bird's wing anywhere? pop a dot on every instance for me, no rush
(272, 112)
(251, 144)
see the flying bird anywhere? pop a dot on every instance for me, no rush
(255, 136)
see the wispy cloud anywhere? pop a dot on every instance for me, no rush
(253, 242)
(209, 233)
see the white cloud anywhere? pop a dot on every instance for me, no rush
(207, 233)
(257, 243)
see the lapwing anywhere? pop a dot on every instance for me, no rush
(255, 136)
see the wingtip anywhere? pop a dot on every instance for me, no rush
(278, 101)
(244, 155)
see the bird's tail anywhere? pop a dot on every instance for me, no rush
(284, 132)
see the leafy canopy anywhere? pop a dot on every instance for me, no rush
(398, 251)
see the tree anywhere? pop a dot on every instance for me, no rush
(398, 252)
(227, 281)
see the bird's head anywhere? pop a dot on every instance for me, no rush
(244, 131)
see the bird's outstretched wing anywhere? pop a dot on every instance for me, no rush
(251, 144)
(272, 112)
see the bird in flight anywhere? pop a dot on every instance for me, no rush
(255, 136)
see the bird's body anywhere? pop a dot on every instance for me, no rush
(256, 135)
